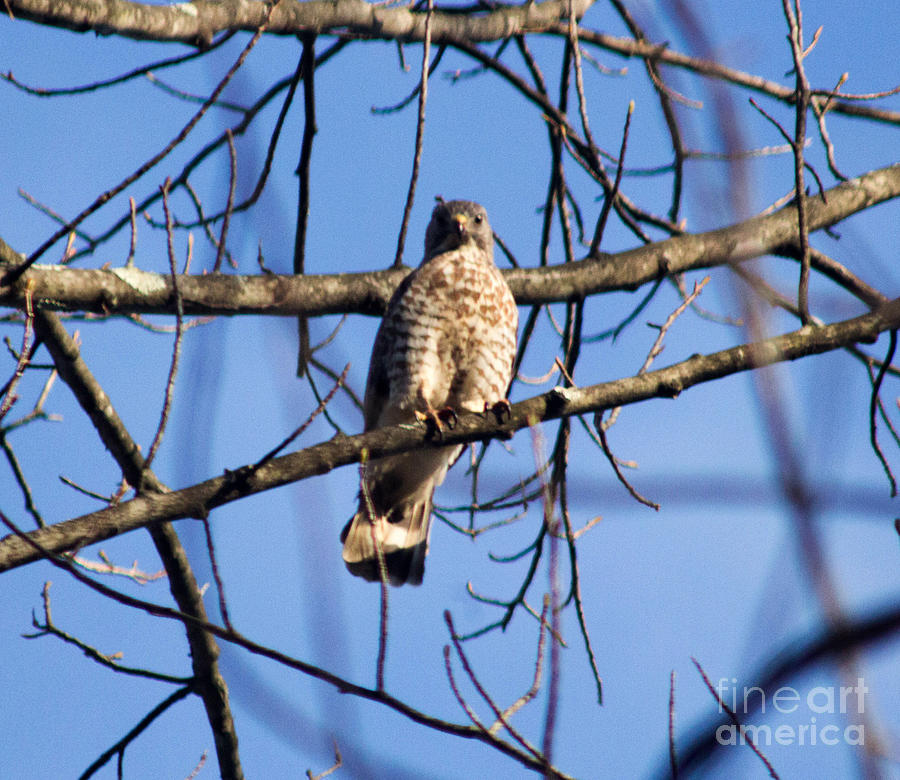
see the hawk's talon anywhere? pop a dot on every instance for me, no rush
(436, 420)
(500, 409)
(448, 416)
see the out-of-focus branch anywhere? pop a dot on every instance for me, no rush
(659, 52)
(853, 634)
(129, 290)
(558, 403)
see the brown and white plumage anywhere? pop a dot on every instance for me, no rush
(448, 339)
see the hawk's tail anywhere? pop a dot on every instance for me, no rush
(402, 535)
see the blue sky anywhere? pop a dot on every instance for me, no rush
(714, 575)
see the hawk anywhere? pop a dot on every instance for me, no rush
(447, 342)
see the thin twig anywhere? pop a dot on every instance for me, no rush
(458, 694)
(802, 98)
(315, 413)
(610, 198)
(613, 461)
(657, 347)
(383, 608)
(25, 352)
(870, 369)
(22, 482)
(345, 686)
(575, 587)
(372, 518)
(338, 763)
(315, 391)
(538, 669)
(106, 566)
(673, 755)
(200, 764)
(83, 490)
(291, 84)
(873, 429)
(734, 719)
(132, 247)
(332, 374)
(420, 134)
(143, 70)
(579, 75)
(54, 215)
(49, 628)
(14, 273)
(179, 335)
(308, 71)
(220, 587)
(229, 204)
(188, 97)
(119, 747)
(820, 108)
(412, 95)
(448, 619)
(666, 96)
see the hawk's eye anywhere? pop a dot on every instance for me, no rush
(479, 218)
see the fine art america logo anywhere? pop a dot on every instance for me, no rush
(847, 701)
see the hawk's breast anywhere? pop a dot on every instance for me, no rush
(451, 335)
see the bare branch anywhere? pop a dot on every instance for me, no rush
(420, 134)
(338, 763)
(307, 70)
(209, 683)
(192, 622)
(12, 274)
(130, 290)
(49, 628)
(119, 747)
(559, 402)
(179, 332)
(734, 719)
(169, 23)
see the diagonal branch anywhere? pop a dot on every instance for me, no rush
(209, 683)
(11, 275)
(342, 685)
(559, 402)
(798, 656)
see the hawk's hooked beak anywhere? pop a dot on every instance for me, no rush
(461, 222)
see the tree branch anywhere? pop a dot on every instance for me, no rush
(209, 683)
(196, 23)
(797, 657)
(317, 672)
(127, 290)
(199, 499)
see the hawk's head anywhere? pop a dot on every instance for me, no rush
(457, 222)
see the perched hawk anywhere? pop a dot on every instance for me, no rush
(447, 342)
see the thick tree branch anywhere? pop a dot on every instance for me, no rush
(199, 499)
(128, 290)
(199, 21)
(208, 681)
